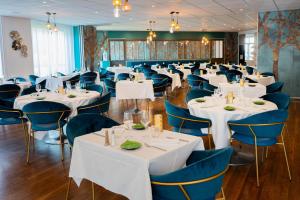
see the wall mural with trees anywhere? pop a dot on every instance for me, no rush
(279, 47)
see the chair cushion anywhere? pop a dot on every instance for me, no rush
(47, 127)
(250, 140)
(11, 121)
(194, 132)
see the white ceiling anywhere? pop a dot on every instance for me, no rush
(195, 15)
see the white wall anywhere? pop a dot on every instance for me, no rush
(14, 64)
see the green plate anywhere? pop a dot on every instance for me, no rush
(140, 81)
(229, 108)
(131, 145)
(40, 98)
(71, 96)
(138, 127)
(259, 102)
(200, 100)
(251, 85)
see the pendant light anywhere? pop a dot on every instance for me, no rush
(119, 6)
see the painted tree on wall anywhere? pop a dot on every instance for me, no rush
(279, 29)
(231, 47)
(90, 46)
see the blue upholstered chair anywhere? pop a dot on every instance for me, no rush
(96, 88)
(249, 70)
(10, 116)
(9, 92)
(171, 67)
(32, 79)
(183, 122)
(197, 93)
(267, 74)
(123, 76)
(250, 80)
(84, 124)
(209, 87)
(88, 78)
(223, 68)
(220, 73)
(148, 73)
(235, 67)
(201, 179)
(156, 78)
(29, 90)
(195, 81)
(260, 130)
(102, 73)
(100, 106)
(275, 87)
(73, 80)
(198, 71)
(282, 100)
(160, 88)
(110, 86)
(46, 116)
(193, 69)
(231, 75)
(138, 69)
(60, 74)
(17, 80)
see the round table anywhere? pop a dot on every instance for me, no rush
(264, 80)
(120, 70)
(214, 79)
(253, 90)
(53, 83)
(213, 109)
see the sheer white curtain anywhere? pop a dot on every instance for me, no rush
(1, 53)
(52, 51)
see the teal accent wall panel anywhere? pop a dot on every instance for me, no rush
(76, 47)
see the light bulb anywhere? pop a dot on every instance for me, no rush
(49, 26)
(126, 6)
(154, 35)
(171, 29)
(117, 11)
(177, 27)
(55, 29)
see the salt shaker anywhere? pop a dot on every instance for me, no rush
(112, 138)
(106, 143)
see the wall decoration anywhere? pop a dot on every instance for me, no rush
(231, 47)
(279, 47)
(17, 43)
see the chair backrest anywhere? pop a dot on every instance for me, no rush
(282, 100)
(159, 77)
(209, 87)
(75, 79)
(265, 125)
(7, 112)
(96, 88)
(201, 179)
(267, 74)
(223, 68)
(32, 79)
(9, 91)
(197, 93)
(123, 76)
(87, 123)
(17, 79)
(231, 74)
(110, 85)
(160, 86)
(171, 67)
(193, 69)
(88, 77)
(29, 90)
(194, 80)
(101, 105)
(275, 87)
(220, 73)
(249, 70)
(46, 112)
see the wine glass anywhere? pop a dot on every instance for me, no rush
(130, 76)
(237, 78)
(38, 88)
(127, 119)
(145, 119)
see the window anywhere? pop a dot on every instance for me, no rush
(52, 51)
(116, 50)
(217, 49)
(249, 46)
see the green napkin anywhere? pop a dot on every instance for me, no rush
(40, 98)
(131, 145)
(229, 108)
(71, 96)
(138, 126)
(259, 102)
(200, 100)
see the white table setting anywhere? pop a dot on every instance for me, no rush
(220, 112)
(250, 90)
(264, 80)
(127, 172)
(142, 89)
(185, 71)
(53, 83)
(214, 79)
(120, 70)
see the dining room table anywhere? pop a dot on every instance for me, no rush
(176, 82)
(250, 90)
(127, 172)
(214, 79)
(119, 70)
(127, 89)
(53, 83)
(264, 80)
(215, 109)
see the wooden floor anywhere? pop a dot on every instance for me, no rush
(46, 176)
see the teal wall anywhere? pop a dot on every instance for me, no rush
(289, 49)
(76, 47)
(165, 35)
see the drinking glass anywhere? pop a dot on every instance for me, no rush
(237, 78)
(127, 119)
(38, 88)
(145, 120)
(77, 86)
(130, 76)
(68, 84)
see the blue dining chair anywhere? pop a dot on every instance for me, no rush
(249, 70)
(250, 80)
(138, 69)
(275, 87)
(110, 86)
(209, 87)
(198, 71)
(231, 75)
(223, 68)
(220, 73)
(46, 116)
(100, 106)
(9, 92)
(193, 69)
(235, 67)
(201, 179)
(195, 81)
(177, 71)
(123, 76)
(148, 73)
(88, 78)
(73, 80)
(96, 88)
(17, 80)
(160, 88)
(28, 91)
(32, 79)
(156, 78)
(10, 116)
(171, 67)
(85, 124)
(260, 130)
(281, 100)
(183, 122)
(267, 74)
(197, 93)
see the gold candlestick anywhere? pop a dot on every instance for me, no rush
(158, 122)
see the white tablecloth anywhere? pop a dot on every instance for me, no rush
(247, 91)
(81, 99)
(267, 80)
(213, 109)
(127, 172)
(134, 90)
(214, 79)
(119, 70)
(53, 83)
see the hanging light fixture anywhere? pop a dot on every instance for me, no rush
(152, 35)
(174, 26)
(119, 6)
(48, 25)
(54, 28)
(177, 26)
(204, 41)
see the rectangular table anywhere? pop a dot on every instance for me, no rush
(127, 172)
(134, 90)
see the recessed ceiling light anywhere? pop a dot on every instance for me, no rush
(130, 18)
(241, 9)
(96, 12)
(153, 6)
(224, 24)
(44, 2)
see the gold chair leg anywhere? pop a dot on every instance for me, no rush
(223, 193)
(209, 142)
(61, 144)
(25, 134)
(33, 143)
(28, 149)
(93, 191)
(286, 159)
(256, 160)
(267, 152)
(68, 188)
